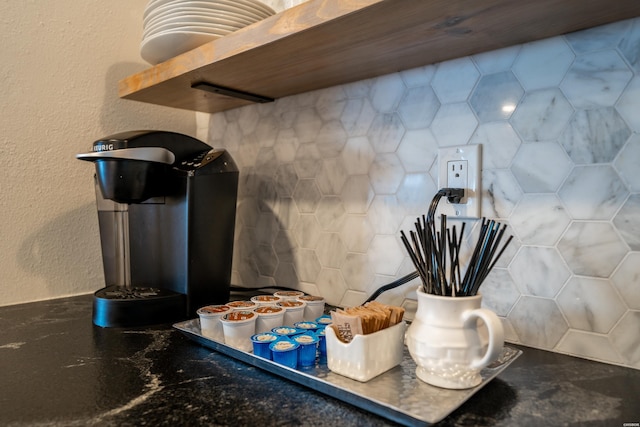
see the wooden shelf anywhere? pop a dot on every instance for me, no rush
(323, 43)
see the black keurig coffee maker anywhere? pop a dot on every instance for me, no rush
(166, 212)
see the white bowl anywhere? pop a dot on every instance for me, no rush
(163, 46)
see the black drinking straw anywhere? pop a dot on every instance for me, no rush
(430, 247)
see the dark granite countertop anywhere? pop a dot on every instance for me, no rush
(59, 369)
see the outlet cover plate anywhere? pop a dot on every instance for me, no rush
(470, 204)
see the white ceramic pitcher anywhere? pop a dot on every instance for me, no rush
(448, 343)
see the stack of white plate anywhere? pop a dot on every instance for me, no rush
(172, 27)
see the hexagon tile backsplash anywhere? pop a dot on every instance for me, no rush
(329, 178)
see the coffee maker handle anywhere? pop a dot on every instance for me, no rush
(148, 154)
(496, 335)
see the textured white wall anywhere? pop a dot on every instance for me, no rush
(61, 62)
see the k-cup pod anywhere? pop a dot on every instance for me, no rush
(294, 311)
(288, 295)
(239, 327)
(285, 352)
(210, 325)
(323, 321)
(314, 308)
(286, 331)
(266, 299)
(307, 326)
(308, 349)
(269, 316)
(261, 342)
(242, 305)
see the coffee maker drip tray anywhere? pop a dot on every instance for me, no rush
(119, 306)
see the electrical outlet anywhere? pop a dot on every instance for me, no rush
(460, 167)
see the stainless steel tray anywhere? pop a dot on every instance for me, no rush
(397, 394)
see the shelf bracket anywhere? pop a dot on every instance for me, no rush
(221, 90)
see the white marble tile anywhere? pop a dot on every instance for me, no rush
(596, 79)
(543, 64)
(286, 179)
(357, 156)
(358, 89)
(629, 44)
(538, 322)
(419, 76)
(330, 213)
(496, 96)
(542, 115)
(539, 271)
(306, 195)
(267, 228)
(331, 103)
(266, 164)
(357, 271)
(627, 280)
(592, 248)
(331, 285)
(248, 119)
(217, 126)
(598, 38)
(455, 79)
(331, 251)
(266, 260)
(418, 150)
(357, 116)
(356, 233)
(307, 265)
(496, 61)
(385, 254)
(331, 139)
(626, 340)
(588, 128)
(386, 173)
(332, 176)
(357, 194)
(418, 107)
(627, 221)
(593, 192)
(627, 106)
(287, 213)
(499, 292)
(539, 219)
(286, 275)
(308, 161)
(454, 124)
(266, 131)
(286, 145)
(500, 193)
(283, 246)
(540, 167)
(307, 125)
(499, 144)
(415, 193)
(386, 132)
(353, 298)
(590, 304)
(386, 92)
(385, 214)
(307, 231)
(588, 345)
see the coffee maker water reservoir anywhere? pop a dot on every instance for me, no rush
(166, 211)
